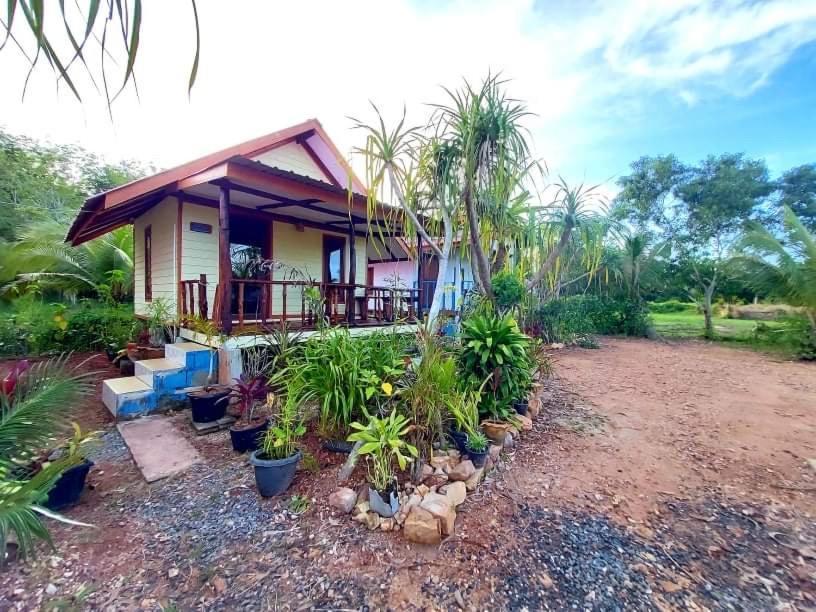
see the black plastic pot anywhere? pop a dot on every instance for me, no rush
(111, 351)
(338, 446)
(460, 439)
(478, 458)
(386, 503)
(208, 406)
(248, 439)
(126, 367)
(273, 476)
(521, 407)
(69, 486)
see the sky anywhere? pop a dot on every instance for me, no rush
(607, 81)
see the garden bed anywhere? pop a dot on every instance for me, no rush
(581, 512)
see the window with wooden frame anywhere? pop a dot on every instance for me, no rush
(148, 264)
(334, 256)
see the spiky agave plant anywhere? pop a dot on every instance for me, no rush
(30, 417)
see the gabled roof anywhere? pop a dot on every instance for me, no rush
(137, 195)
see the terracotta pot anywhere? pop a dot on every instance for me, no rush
(496, 430)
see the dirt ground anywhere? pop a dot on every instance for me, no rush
(658, 476)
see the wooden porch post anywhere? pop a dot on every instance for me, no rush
(224, 260)
(419, 277)
(352, 275)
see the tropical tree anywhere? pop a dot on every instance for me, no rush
(491, 155)
(797, 191)
(700, 210)
(99, 268)
(411, 164)
(36, 29)
(574, 217)
(31, 415)
(781, 266)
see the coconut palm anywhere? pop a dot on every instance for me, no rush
(781, 266)
(101, 267)
(31, 415)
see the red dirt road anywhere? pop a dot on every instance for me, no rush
(683, 417)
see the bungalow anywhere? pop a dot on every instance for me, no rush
(288, 199)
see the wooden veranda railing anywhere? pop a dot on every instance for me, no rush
(268, 303)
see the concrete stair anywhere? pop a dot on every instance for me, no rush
(159, 384)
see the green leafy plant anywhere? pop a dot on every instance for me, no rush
(493, 346)
(160, 321)
(298, 504)
(345, 373)
(280, 440)
(477, 442)
(383, 443)
(30, 416)
(426, 389)
(508, 290)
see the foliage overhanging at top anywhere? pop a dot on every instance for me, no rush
(95, 25)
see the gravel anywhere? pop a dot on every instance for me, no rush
(109, 447)
(574, 561)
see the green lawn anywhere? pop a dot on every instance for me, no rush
(686, 325)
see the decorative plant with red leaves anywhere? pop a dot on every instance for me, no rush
(249, 391)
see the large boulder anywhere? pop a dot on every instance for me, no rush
(441, 507)
(343, 499)
(462, 471)
(422, 527)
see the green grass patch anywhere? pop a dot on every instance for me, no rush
(782, 337)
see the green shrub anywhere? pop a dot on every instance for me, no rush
(31, 327)
(493, 346)
(670, 306)
(345, 374)
(573, 319)
(508, 290)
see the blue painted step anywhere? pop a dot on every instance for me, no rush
(159, 384)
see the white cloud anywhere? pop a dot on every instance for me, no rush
(265, 65)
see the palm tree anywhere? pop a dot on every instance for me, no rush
(101, 267)
(484, 128)
(30, 416)
(573, 209)
(782, 267)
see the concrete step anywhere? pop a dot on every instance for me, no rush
(192, 355)
(162, 375)
(128, 397)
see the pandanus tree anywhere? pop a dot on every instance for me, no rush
(412, 165)
(483, 127)
(569, 229)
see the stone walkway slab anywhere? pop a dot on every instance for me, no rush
(158, 448)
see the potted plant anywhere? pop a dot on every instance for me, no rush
(160, 322)
(210, 402)
(249, 427)
(276, 461)
(382, 443)
(521, 406)
(465, 410)
(69, 486)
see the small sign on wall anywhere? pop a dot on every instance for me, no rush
(201, 228)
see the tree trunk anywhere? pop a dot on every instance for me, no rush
(552, 257)
(709, 325)
(480, 264)
(501, 257)
(439, 294)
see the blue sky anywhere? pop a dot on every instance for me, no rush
(608, 80)
(776, 122)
